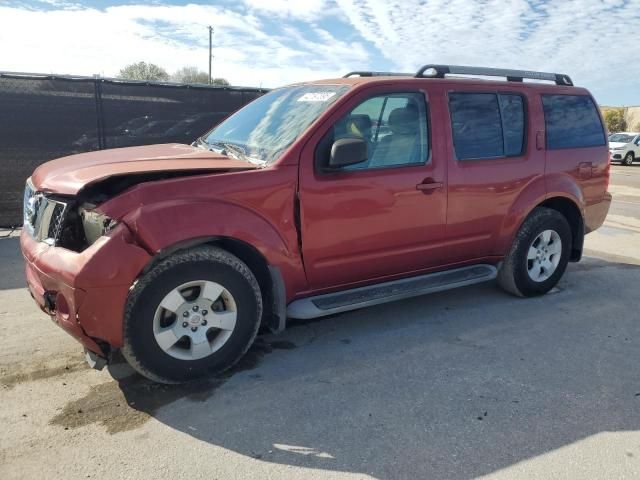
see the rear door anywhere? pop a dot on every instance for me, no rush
(493, 161)
(387, 215)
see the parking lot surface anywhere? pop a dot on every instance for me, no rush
(462, 384)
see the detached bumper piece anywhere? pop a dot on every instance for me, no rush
(94, 360)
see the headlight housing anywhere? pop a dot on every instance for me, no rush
(618, 148)
(95, 224)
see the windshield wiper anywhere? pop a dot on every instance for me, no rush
(235, 151)
(201, 143)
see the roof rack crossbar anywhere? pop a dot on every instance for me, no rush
(439, 71)
(376, 74)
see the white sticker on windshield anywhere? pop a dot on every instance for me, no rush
(316, 96)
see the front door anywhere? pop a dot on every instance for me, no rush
(382, 217)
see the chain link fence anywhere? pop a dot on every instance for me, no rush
(45, 117)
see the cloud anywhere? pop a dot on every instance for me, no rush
(272, 42)
(88, 41)
(303, 9)
(589, 40)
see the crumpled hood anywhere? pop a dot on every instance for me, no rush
(69, 175)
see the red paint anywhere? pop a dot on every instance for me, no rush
(356, 228)
(68, 175)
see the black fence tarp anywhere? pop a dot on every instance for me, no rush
(45, 117)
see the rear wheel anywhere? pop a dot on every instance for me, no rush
(195, 313)
(628, 159)
(539, 254)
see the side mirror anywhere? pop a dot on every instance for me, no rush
(348, 151)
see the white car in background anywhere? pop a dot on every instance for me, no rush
(624, 146)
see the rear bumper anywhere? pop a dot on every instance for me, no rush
(594, 215)
(85, 293)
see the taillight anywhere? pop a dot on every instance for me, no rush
(607, 172)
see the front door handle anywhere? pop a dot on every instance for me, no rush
(428, 186)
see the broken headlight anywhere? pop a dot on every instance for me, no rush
(95, 224)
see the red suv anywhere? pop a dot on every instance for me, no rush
(314, 199)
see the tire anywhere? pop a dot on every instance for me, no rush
(517, 272)
(153, 313)
(628, 159)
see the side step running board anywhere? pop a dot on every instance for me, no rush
(354, 298)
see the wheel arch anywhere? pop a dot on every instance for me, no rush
(269, 246)
(269, 277)
(240, 231)
(558, 192)
(569, 209)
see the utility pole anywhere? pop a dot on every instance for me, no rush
(210, 55)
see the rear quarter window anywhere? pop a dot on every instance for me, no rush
(572, 121)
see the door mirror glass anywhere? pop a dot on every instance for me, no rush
(348, 151)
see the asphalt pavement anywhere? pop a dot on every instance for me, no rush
(456, 385)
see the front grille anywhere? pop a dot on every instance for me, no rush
(43, 216)
(27, 207)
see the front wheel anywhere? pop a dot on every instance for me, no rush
(194, 313)
(628, 159)
(539, 254)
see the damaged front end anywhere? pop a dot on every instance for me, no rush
(63, 221)
(81, 260)
(74, 222)
(69, 248)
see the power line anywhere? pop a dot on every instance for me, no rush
(210, 55)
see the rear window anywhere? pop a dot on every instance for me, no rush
(572, 121)
(487, 125)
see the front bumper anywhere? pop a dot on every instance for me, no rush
(85, 292)
(616, 154)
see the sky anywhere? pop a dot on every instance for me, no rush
(270, 43)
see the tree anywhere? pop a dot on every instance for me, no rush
(614, 118)
(143, 71)
(190, 75)
(220, 81)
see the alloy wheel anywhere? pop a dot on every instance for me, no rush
(195, 320)
(544, 255)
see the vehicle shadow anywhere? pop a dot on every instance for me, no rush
(11, 264)
(452, 385)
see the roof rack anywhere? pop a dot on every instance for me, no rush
(439, 71)
(377, 74)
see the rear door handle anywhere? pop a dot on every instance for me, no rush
(585, 170)
(429, 186)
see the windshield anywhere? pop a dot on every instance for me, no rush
(264, 128)
(620, 137)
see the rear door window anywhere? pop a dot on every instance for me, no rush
(512, 113)
(572, 121)
(487, 125)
